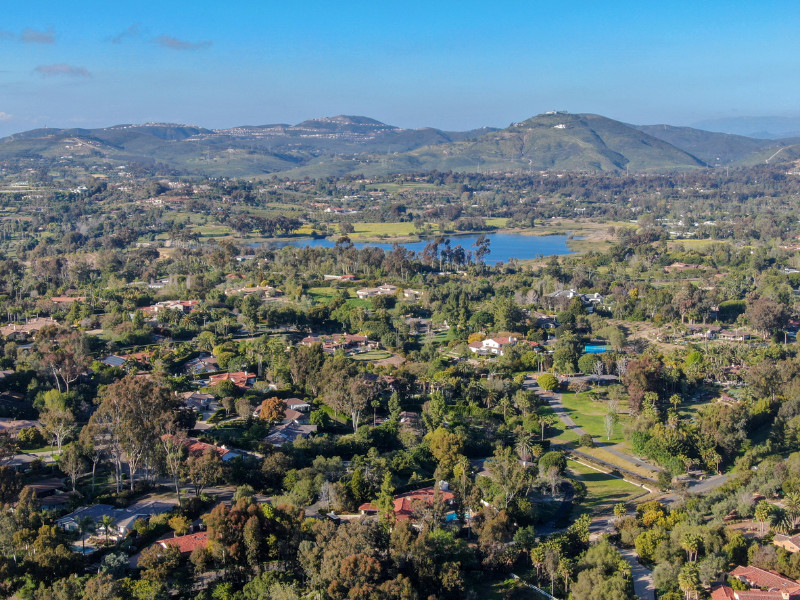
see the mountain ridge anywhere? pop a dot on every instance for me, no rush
(357, 144)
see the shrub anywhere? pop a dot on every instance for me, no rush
(547, 382)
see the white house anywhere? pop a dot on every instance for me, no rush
(494, 346)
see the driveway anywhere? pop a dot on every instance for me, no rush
(642, 576)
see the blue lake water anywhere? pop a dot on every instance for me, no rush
(503, 245)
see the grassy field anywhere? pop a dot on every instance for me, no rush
(325, 294)
(590, 416)
(606, 456)
(557, 432)
(693, 244)
(442, 337)
(603, 490)
(371, 355)
(374, 230)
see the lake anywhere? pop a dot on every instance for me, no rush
(503, 245)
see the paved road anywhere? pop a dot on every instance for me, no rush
(642, 577)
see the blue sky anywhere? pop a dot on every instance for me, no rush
(452, 65)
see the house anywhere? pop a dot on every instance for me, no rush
(185, 306)
(113, 360)
(240, 379)
(201, 402)
(343, 341)
(202, 364)
(347, 277)
(283, 434)
(67, 300)
(124, 518)
(763, 584)
(405, 505)
(496, 346)
(289, 416)
(564, 297)
(32, 326)
(734, 335)
(409, 418)
(298, 405)
(383, 290)
(21, 463)
(412, 294)
(46, 487)
(197, 448)
(261, 290)
(294, 416)
(790, 543)
(186, 544)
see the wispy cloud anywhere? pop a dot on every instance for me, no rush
(33, 36)
(175, 44)
(62, 69)
(4, 116)
(7, 35)
(133, 31)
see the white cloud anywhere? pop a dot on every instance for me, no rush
(4, 116)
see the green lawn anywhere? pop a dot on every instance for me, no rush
(325, 294)
(441, 337)
(371, 355)
(603, 491)
(371, 230)
(590, 416)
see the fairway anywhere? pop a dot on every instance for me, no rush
(603, 490)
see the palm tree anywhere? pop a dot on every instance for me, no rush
(763, 513)
(85, 525)
(524, 446)
(545, 420)
(565, 566)
(792, 503)
(105, 524)
(691, 544)
(689, 580)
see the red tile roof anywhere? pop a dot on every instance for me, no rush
(404, 503)
(761, 578)
(239, 378)
(187, 543)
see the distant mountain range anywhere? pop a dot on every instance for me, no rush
(352, 144)
(773, 128)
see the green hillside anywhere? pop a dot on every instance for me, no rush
(710, 147)
(347, 144)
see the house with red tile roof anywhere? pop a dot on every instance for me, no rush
(405, 504)
(186, 543)
(764, 585)
(240, 379)
(67, 299)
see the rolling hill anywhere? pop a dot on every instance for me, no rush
(711, 147)
(353, 144)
